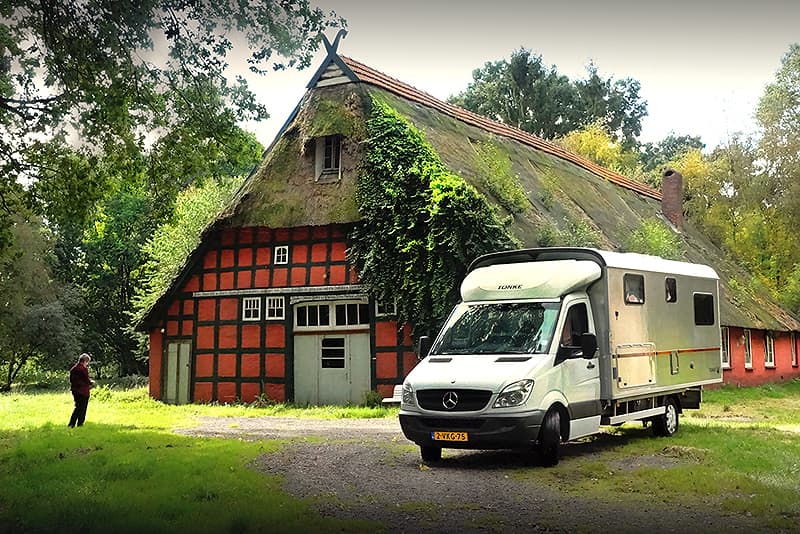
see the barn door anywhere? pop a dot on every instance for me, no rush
(176, 372)
(331, 368)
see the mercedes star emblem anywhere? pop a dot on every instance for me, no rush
(449, 400)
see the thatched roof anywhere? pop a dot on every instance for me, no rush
(563, 190)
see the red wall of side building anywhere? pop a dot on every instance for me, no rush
(239, 360)
(759, 372)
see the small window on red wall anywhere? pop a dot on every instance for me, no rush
(282, 255)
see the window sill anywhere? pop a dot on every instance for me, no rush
(769, 366)
(748, 367)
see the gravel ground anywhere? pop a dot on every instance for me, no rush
(366, 469)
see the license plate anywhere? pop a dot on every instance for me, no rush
(449, 436)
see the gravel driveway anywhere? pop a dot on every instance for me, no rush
(366, 469)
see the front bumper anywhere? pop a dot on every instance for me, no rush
(482, 432)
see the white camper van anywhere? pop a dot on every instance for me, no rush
(548, 344)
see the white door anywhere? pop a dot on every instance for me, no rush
(176, 372)
(331, 368)
(581, 376)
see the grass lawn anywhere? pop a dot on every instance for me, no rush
(126, 471)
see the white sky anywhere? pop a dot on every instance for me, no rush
(702, 64)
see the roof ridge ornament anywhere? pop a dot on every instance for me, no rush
(331, 48)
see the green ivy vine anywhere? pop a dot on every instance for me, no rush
(421, 224)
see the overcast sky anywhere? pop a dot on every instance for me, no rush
(702, 64)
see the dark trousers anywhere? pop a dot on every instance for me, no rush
(79, 413)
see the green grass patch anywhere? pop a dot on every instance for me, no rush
(125, 471)
(739, 460)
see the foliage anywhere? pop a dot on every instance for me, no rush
(495, 173)
(580, 233)
(90, 70)
(524, 93)
(35, 324)
(778, 114)
(172, 242)
(656, 156)
(655, 238)
(595, 143)
(421, 224)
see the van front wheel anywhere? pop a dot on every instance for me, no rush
(430, 454)
(550, 438)
(667, 424)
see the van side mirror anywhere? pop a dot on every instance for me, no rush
(588, 345)
(425, 344)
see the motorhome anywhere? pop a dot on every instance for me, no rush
(549, 344)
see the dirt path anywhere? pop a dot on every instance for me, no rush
(366, 469)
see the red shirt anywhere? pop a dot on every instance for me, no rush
(79, 379)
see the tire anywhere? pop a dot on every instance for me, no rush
(667, 424)
(550, 439)
(430, 454)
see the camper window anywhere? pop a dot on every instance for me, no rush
(633, 288)
(671, 290)
(703, 309)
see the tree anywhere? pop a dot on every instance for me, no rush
(524, 93)
(778, 114)
(35, 324)
(173, 241)
(88, 69)
(656, 156)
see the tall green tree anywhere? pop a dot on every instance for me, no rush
(529, 95)
(111, 72)
(35, 322)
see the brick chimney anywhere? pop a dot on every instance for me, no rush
(672, 197)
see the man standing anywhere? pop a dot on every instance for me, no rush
(80, 383)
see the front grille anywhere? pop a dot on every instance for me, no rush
(467, 400)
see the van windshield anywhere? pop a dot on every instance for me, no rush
(499, 328)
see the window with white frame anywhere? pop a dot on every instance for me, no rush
(726, 345)
(794, 349)
(251, 308)
(328, 158)
(275, 308)
(281, 255)
(769, 350)
(383, 309)
(331, 315)
(332, 353)
(748, 353)
(312, 315)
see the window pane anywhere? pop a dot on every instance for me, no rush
(352, 314)
(363, 314)
(313, 316)
(703, 309)
(634, 288)
(324, 315)
(341, 314)
(671, 289)
(333, 353)
(301, 316)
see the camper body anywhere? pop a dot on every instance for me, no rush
(549, 344)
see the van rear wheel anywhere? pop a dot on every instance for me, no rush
(667, 424)
(430, 454)
(550, 438)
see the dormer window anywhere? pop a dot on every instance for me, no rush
(328, 158)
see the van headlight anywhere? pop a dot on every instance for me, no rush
(514, 394)
(408, 395)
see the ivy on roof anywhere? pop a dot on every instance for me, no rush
(421, 224)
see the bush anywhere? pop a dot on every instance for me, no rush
(372, 399)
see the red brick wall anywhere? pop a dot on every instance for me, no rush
(759, 373)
